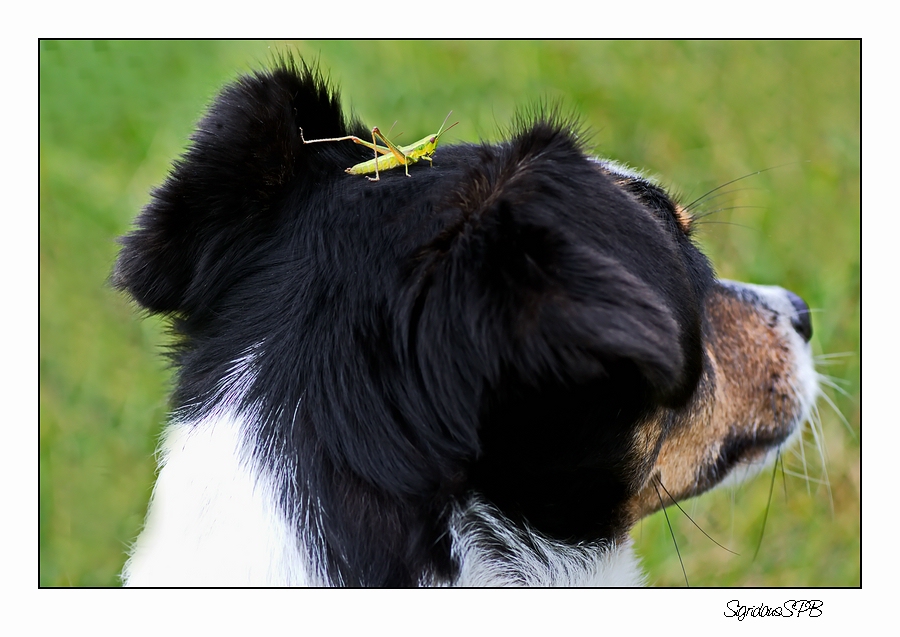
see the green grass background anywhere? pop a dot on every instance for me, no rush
(113, 115)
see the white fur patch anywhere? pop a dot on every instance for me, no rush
(511, 556)
(214, 521)
(214, 518)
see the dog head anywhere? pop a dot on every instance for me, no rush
(519, 324)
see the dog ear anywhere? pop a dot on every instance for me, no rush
(546, 293)
(225, 195)
(577, 314)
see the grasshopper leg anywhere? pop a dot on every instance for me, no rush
(399, 155)
(375, 144)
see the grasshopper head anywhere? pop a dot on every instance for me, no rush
(433, 140)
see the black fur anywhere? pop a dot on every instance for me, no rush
(495, 323)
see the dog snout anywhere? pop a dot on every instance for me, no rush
(800, 321)
(784, 303)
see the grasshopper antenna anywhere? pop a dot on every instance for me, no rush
(392, 128)
(442, 130)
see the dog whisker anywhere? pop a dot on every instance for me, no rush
(820, 357)
(698, 218)
(835, 384)
(819, 441)
(783, 476)
(728, 183)
(698, 204)
(672, 533)
(837, 411)
(675, 502)
(794, 474)
(762, 531)
(728, 223)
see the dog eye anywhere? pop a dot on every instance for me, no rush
(658, 201)
(649, 194)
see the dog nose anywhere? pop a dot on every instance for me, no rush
(800, 320)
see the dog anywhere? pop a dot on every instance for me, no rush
(482, 373)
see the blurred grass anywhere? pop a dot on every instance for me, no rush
(114, 114)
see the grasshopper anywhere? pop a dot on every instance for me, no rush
(389, 156)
